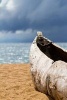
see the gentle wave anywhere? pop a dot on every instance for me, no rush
(63, 45)
(17, 52)
(14, 53)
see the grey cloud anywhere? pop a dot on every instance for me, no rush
(17, 36)
(0, 1)
(48, 16)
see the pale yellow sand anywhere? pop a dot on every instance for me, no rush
(16, 83)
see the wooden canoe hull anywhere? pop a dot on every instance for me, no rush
(46, 77)
(38, 62)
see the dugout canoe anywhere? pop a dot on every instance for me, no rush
(49, 67)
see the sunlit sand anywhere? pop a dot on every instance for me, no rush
(16, 83)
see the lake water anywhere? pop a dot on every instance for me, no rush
(17, 52)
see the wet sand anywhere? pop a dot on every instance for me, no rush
(16, 83)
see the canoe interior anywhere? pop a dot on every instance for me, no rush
(49, 49)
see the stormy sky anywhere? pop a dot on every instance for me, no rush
(21, 19)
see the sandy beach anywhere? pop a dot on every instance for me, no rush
(16, 83)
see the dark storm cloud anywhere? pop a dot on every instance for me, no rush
(49, 16)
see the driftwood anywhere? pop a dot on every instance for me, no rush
(49, 76)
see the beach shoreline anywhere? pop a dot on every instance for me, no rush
(16, 83)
